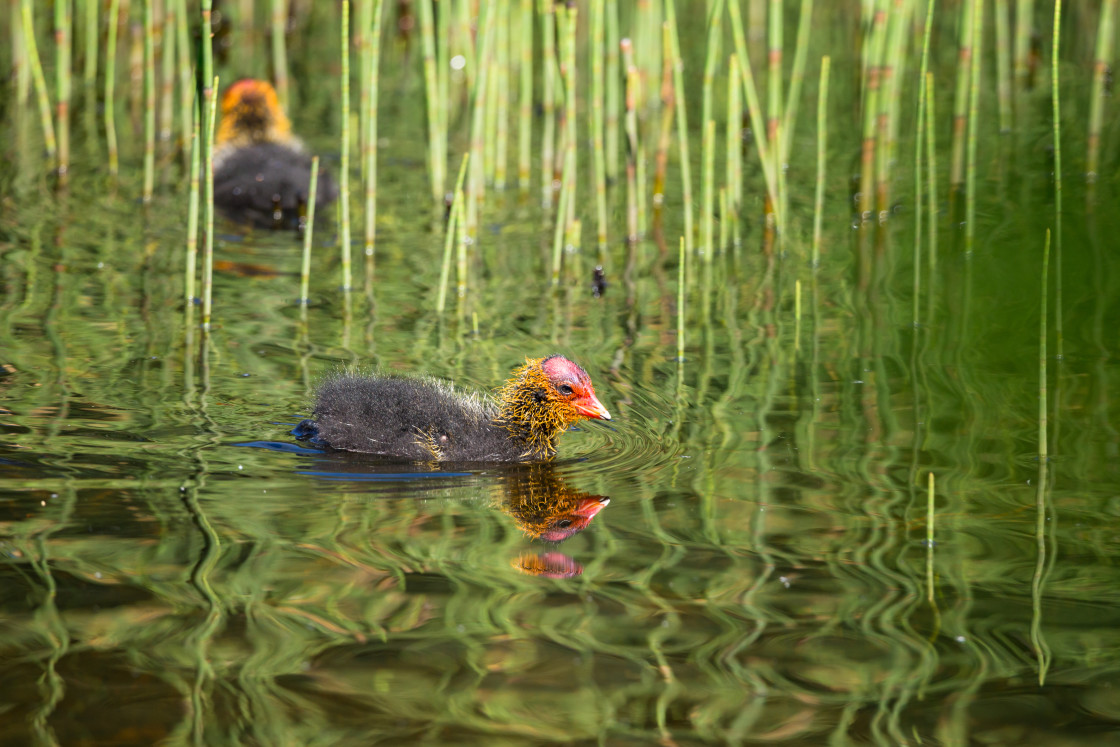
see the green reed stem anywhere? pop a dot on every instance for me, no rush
(774, 131)
(309, 230)
(920, 139)
(89, 70)
(726, 218)
(1024, 31)
(1102, 65)
(1003, 62)
(40, 81)
(889, 102)
(632, 82)
(465, 30)
(711, 59)
(208, 246)
(344, 155)
(187, 87)
(734, 150)
(167, 83)
(797, 76)
(822, 159)
(110, 90)
(192, 207)
(135, 57)
(149, 102)
(524, 41)
(495, 129)
(1042, 514)
(973, 126)
(572, 236)
(960, 105)
(64, 13)
(682, 259)
(647, 35)
(614, 88)
(665, 131)
(931, 187)
(372, 102)
(445, 267)
(566, 189)
(362, 22)
(500, 96)
(919, 142)
(872, 88)
(21, 74)
(279, 50)
(476, 181)
(451, 231)
(63, 30)
(569, 72)
(754, 107)
(490, 108)
(443, 84)
(209, 93)
(1054, 70)
(464, 240)
(598, 103)
(797, 314)
(546, 10)
(930, 518)
(708, 191)
(436, 159)
(682, 121)
(1043, 447)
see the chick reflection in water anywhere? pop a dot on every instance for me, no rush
(545, 507)
(541, 503)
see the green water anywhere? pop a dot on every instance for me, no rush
(176, 567)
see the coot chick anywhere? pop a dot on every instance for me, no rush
(262, 172)
(428, 420)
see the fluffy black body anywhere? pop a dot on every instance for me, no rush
(266, 184)
(416, 419)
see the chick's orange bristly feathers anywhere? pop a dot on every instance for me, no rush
(544, 398)
(251, 113)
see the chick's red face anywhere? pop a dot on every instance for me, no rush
(573, 385)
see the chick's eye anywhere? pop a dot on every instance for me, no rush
(565, 389)
(564, 523)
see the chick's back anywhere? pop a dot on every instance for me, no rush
(419, 419)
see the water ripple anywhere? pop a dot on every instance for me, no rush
(640, 437)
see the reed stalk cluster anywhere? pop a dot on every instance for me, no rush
(597, 107)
